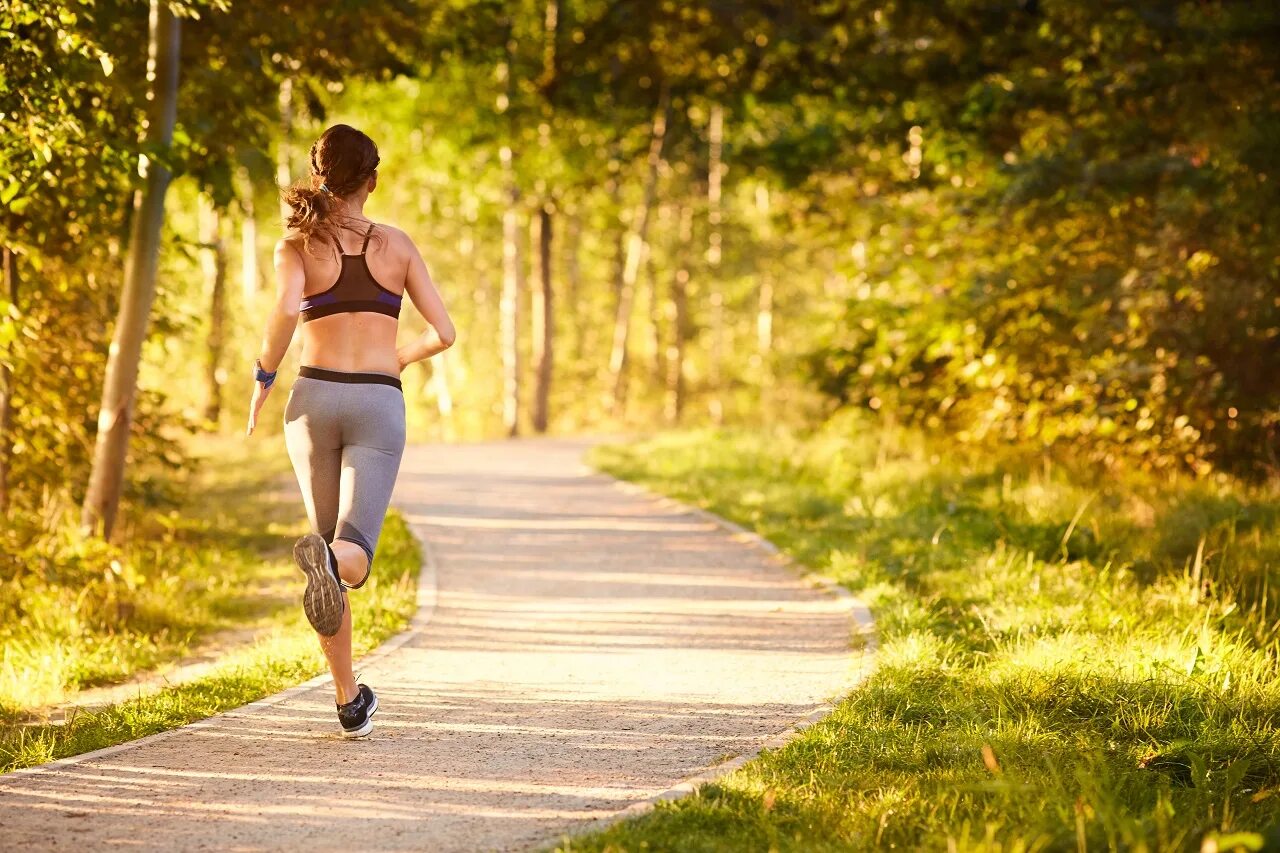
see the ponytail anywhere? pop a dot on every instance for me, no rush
(311, 214)
(342, 161)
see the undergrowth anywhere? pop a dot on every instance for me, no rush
(1068, 661)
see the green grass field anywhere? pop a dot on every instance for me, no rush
(1067, 662)
(213, 559)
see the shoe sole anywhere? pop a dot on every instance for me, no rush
(368, 723)
(322, 600)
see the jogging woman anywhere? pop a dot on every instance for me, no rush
(344, 422)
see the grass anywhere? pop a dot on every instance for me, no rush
(82, 615)
(1068, 662)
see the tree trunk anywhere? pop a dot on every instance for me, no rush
(764, 303)
(439, 385)
(653, 302)
(543, 322)
(284, 148)
(214, 264)
(573, 285)
(509, 303)
(248, 241)
(106, 479)
(715, 135)
(9, 269)
(635, 251)
(673, 408)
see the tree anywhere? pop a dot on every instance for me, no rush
(635, 244)
(214, 264)
(106, 481)
(543, 324)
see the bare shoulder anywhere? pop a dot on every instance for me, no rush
(400, 243)
(289, 246)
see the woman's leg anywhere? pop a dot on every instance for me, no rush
(370, 463)
(314, 440)
(337, 653)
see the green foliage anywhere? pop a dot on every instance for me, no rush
(76, 612)
(1082, 251)
(87, 614)
(1055, 670)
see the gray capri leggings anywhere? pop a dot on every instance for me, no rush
(345, 434)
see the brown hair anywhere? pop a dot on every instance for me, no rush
(342, 160)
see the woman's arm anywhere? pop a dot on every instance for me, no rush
(291, 280)
(422, 292)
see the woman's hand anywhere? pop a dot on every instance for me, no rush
(260, 393)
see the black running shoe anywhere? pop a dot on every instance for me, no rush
(323, 600)
(356, 716)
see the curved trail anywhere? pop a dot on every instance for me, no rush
(591, 647)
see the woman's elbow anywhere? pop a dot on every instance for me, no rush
(447, 335)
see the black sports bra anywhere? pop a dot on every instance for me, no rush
(355, 290)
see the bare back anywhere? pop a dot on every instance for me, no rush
(356, 342)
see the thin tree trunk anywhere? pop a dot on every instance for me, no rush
(249, 280)
(509, 303)
(439, 385)
(543, 323)
(654, 302)
(635, 250)
(106, 479)
(673, 408)
(573, 284)
(284, 148)
(716, 355)
(9, 268)
(764, 302)
(214, 264)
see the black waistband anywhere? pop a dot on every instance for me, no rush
(349, 378)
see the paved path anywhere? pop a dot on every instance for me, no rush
(590, 647)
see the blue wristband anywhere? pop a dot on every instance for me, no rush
(260, 375)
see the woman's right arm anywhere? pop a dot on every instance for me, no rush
(291, 281)
(426, 298)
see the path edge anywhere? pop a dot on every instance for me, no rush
(425, 599)
(864, 629)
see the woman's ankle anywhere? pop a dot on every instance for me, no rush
(346, 692)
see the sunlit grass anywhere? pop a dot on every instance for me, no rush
(1041, 684)
(218, 561)
(211, 555)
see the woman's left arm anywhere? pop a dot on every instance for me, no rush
(291, 280)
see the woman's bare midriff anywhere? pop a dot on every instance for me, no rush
(355, 343)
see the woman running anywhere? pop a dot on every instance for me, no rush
(344, 420)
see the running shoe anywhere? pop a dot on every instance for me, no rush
(356, 716)
(323, 601)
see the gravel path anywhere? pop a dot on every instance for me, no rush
(589, 648)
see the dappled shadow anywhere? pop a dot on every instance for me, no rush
(589, 648)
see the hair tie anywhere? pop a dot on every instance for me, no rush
(324, 188)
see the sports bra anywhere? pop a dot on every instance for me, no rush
(355, 290)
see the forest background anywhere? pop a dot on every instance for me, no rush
(1049, 224)
(980, 300)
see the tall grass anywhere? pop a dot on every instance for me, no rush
(212, 554)
(206, 554)
(1069, 661)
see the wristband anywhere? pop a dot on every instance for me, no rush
(263, 376)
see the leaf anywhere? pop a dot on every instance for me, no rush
(107, 65)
